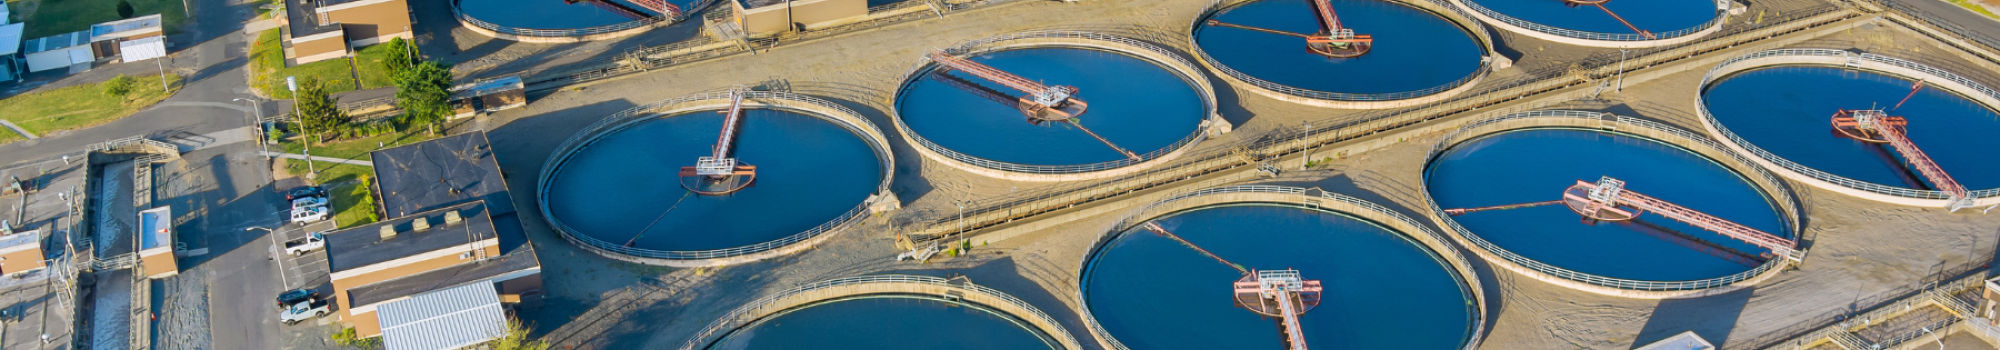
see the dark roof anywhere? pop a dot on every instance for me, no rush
(515, 255)
(362, 245)
(304, 20)
(437, 173)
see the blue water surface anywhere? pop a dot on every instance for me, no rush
(1537, 165)
(1787, 111)
(1383, 290)
(887, 322)
(1413, 50)
(809, 171)
(1657, 16)
(1136, 104)
(554, 14)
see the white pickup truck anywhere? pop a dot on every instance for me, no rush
(303, 311)
(312, 242)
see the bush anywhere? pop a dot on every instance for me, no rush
(517, 338)
(346, 337)
(423, 92)
(400, 57)
(119, 86)
(124, 9)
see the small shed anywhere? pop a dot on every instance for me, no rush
(58, 51)
(106, 38)
(488, 96)
(156, 242)
(21, 252)
(10, 47)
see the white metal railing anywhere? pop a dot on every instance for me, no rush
(755, 310)
(981, 46)
(629, 117)
(1462, 271)
(1778, 196)
(1701, 106)
(1720, 15)
(1478, 33)
(609, 28)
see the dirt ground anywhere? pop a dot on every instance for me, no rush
(1862, 252)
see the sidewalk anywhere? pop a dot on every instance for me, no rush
(317, 158)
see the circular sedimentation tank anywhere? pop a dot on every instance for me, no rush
(1133, 105)
(886, 312)
(1419, 51)
(1162, 278)
(569, 20)
(1510, 176)
(615, 187)
(1602, 23)
(1777, 107)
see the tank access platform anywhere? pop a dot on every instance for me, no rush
(1042, 103)
(719, 173)
(1878, 127)
(1608, 200)
(1282, 294)
(1332, 40)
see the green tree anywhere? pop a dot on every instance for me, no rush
(517, 338)
(422, 92)
(317, 109)
(124, 9)
(401, 56)
(119, 86)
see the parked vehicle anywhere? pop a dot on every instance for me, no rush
(304, 311)
(312, 242)
(304, 216)
(293, 297)
(305, 192)
(308, 202)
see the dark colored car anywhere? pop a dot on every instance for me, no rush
(304, 191)
(289, 298)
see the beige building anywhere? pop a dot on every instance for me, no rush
(156, 243)
(318, 30)
(768, 17)
(453, 258)
(21, 252)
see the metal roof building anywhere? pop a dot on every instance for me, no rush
(451, 318)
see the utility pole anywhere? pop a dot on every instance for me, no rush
(259, 124)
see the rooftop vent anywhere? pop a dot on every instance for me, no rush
(420, 225)
(451, 218)
(387, 232)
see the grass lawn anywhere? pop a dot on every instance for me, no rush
(267, 59)
(353, 204)
(80, 106)
(51, 17)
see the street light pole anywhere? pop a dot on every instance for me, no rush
(1621, 69)
(274, 253)
(258, 123)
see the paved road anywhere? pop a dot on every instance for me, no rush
(1958, 15)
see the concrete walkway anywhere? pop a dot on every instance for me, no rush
(18, 130)
(317, 159)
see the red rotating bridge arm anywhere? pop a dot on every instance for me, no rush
(1294, 335)
(1890, 129)
(1293, 296)
(994, 74)
(1327, 21)
(666, 9)
(729, 124)
(1780, 246)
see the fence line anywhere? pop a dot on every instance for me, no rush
(1616, 124)
(762, 307)
(1478, 32)
(623, 119)
(1722, 69)
(980, 46)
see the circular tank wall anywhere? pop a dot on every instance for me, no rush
(1142, 106)
(1421, 51)
(1383, 287)
(1780, 110)
(1500, 184)
(616, 187)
